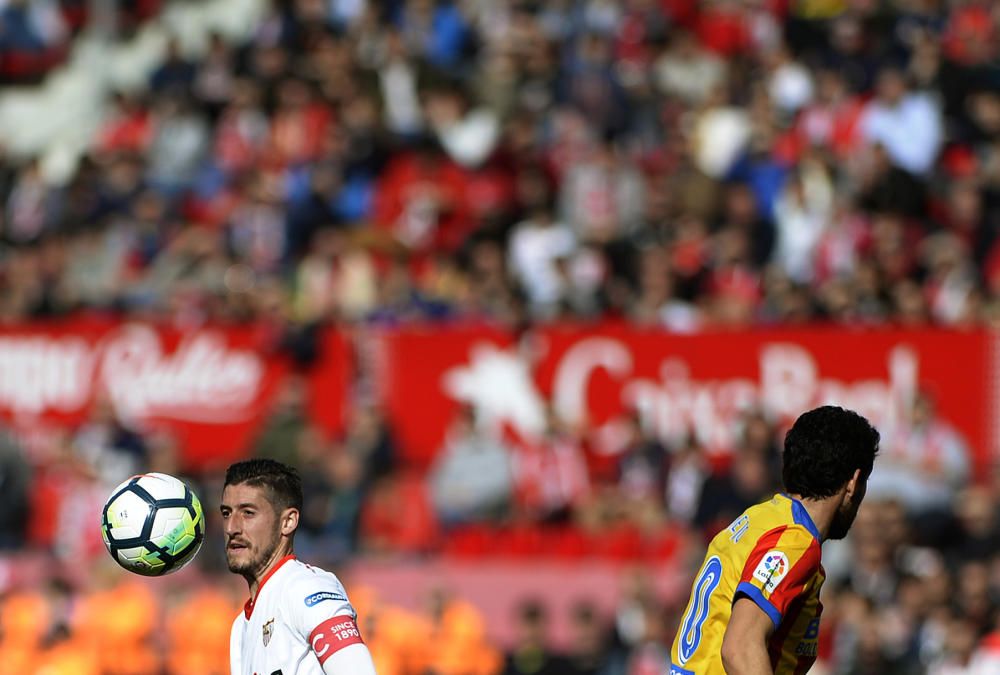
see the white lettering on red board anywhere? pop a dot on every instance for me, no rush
(202, 380)
(672, 403)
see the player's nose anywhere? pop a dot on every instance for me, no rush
(232, 525)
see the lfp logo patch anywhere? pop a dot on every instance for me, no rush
(771, 569)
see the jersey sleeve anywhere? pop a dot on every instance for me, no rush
(354, 659)
(322, 614)
(779, 568)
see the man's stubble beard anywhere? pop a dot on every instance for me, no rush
(255, 565)
(843, 520)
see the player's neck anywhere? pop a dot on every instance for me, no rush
(821, 511)
(255, 580)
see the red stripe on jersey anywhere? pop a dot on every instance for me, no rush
(801, 573)
(777, 641)
(333, 635)
(248, 607)
(767, 542)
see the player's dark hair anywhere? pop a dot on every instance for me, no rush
(283, 482)
(824, 448)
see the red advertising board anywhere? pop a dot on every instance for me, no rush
(418, 374)
(678, 383)
(211, 387)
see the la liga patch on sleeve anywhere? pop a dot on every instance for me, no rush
(771, 569)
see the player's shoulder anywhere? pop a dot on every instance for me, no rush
(299, 570)
(786, 545)
(784, 513)
(779, 521)
(790, 537)
(311, 585)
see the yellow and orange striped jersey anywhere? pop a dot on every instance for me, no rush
(771, 555)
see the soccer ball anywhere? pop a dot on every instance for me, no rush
(153, 524)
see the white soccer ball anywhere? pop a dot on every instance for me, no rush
(153, 524)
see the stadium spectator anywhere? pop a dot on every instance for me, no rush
(331, 514)
(976, 511)
(540, 247)
(472, 479)
(589, 652)
(175, 74)
(15, 492)
(643, 468)
(31, 27)
(279, 436)
(456, 641)
(370, 437)
(687, 71)
(110, 447)
(802, 216)
(602, 195)
(178, 138)
(906, 123)
(531, 654)
(872, 575)
(728, 493)
(398, 516)
(688, 471)
(214, 80)
(926, 462)
(550, 473)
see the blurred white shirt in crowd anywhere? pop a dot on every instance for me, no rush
(910, 131)
(535, 249)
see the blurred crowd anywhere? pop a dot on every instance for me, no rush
(133, 628)
(674, 163)
(671, 163)
(37, 35)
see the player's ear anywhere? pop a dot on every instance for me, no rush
(289, 521)
(853, 485)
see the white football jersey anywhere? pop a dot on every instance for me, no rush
(300, 617)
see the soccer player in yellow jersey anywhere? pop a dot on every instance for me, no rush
(754, 605)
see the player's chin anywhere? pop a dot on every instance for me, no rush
(239, 567)
(238, 560)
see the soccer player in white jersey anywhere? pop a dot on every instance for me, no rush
(298, 620)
